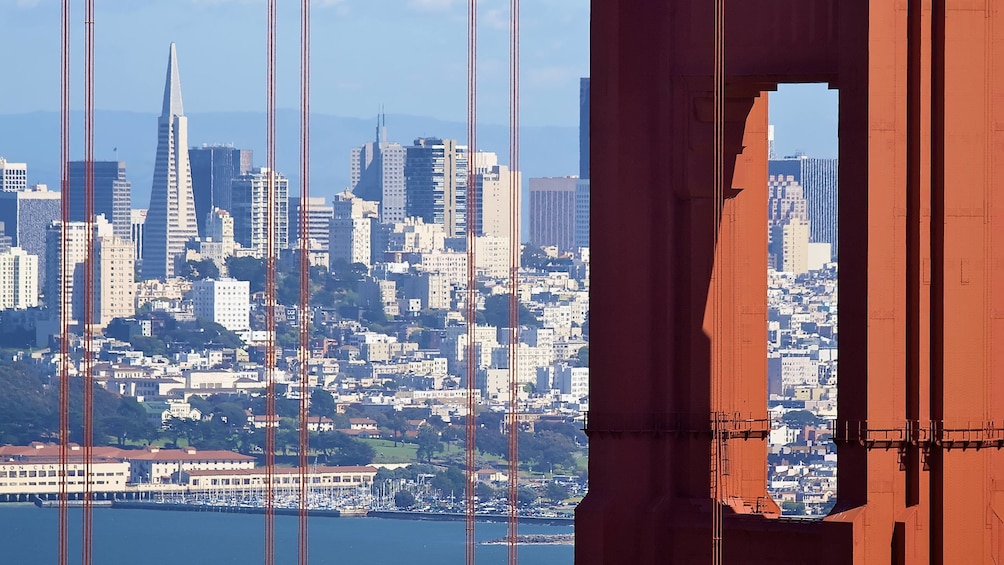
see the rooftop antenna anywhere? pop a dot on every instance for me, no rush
(382, 120)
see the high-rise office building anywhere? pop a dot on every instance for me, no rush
(494, 198)
(26, 215)
(553, 212)
(786, 200)
(137, 223)
(818, 178)
(171, 220)
(582, 186)
(584, 128)
(319, 214)
(18, 279)
(787, 218)
(435, 171)
(112, 194)
(214, 167)
(13, 176)
(376, 174)
(249, 199)
(6, 241)
(582, 213)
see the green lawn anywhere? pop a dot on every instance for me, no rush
(386, 452)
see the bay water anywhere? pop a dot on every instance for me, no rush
(28, 535)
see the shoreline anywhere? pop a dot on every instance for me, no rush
(384, 514)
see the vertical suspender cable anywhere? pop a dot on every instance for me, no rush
(304, 318)
(271, 420)
(514, 253)
(471, 294)
(717, 416)
(64, 319)
(87, 298)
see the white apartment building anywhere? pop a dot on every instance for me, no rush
(495, 200)
(226, 302)
(219, 243)
(450, 264)
(114, 279)
(70, 280)
(18, 280)
(573, 381)
(559, 318)
(528, 360)
(13, 176)
(491, 256)
(415, 236)
(795, 247)
(351, 230)
(249, 199)
(432, 290)
(318, 219)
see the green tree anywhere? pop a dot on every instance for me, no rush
(404, 499)
(484, 491)
(347, 450)
(452, 481)
(582, 356)
(248, 269)
(199, 270)
(130, 421)
(428, 443)
(497, 312)
(800, 419)
(526, 496)
(555, 492)
(792, 508)
(26, 411)
(150, 346)
(322, 404)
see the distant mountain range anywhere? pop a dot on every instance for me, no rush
(132, 137)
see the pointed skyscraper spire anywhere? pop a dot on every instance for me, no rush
(172, 87)
(170, 221)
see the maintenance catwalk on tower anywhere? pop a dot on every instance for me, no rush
(921, 415)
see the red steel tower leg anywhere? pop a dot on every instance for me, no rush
(64, 314)
(304, 320)
(470, 301)
(271, 419)
(87, 321)
(514, 255)
(922, 284)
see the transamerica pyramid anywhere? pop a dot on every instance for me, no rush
(171, 220)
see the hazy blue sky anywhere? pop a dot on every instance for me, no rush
(409, 55)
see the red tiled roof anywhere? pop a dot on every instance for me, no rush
(52, 452)
(184, 455)
(283, 471)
